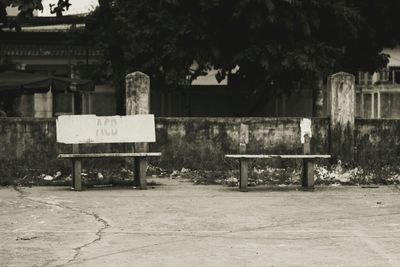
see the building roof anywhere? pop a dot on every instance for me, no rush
(47, 50)
(45, 21)
(45, 36)
(50, 28)
(48, 24)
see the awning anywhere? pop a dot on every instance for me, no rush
(20, 82)
(24, 82)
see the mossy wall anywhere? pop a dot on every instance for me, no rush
(201, 143)
(377, 141)
(198, 143)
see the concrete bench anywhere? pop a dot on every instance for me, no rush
(307, 172)
(307, 158)
(91, 129)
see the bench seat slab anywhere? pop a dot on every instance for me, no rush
(249, 156)
(109, 155)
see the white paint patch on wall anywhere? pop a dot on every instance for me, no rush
(305, 128)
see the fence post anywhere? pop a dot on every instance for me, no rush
(138, 102)
(341, 110)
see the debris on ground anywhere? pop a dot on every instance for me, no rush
(333, 175)
(68, 178)
(57, 175)
(102, 185)
(369, 186)
(26, 238)
(184, 170)
(48, 178)
(90, 177)
(175, 174)
(232, 181)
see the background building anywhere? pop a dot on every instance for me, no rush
(43, 47)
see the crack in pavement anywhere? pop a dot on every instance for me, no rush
(135, 248)
(225, 234)
(228, 233)
(99, 232)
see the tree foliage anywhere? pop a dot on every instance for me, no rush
(273, 45)
(276, 45)
(270, 40)
(62, 6)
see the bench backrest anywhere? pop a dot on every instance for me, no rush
(85, 129)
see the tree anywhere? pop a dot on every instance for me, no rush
(278, 45)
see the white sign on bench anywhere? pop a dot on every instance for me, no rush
(86, 129)
(91, 129)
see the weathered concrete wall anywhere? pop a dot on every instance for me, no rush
(199, 143)
(28, 139)
(377, 141)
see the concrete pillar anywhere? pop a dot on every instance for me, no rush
(138, 99)
(138, 102)
(137, 93)
(341, 110)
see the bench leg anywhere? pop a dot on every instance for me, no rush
(140, 172)
(308, 174)
(244, 167)
(76, 174)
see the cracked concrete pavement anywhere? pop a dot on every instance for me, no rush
(180, 224)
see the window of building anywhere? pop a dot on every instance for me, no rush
(364, 78)
(384, 75)
(394, 75)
